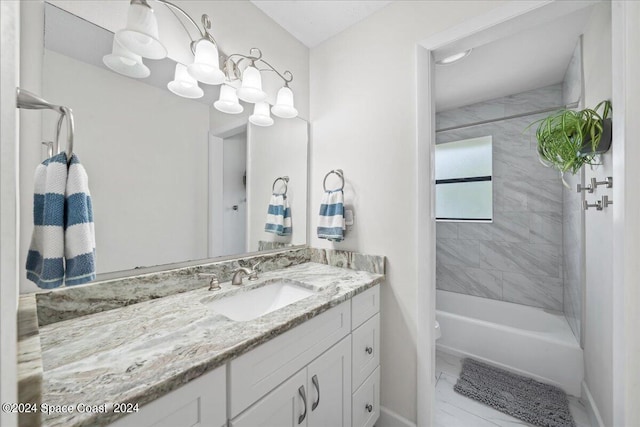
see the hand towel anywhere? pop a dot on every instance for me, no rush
(79, 234)
(331, 224)
(45, 260)
(278, 216)
(63, 241)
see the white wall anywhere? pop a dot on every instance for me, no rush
(9, 208)
(278, 150)
(234, 194)
(363, 112)
(598, 327)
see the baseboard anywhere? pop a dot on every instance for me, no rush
(388, 418)
(592, 408)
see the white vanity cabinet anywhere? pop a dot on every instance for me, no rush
(199, 403)
(316, 396)
(365, 405)
(323, 373)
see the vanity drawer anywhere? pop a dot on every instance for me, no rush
(200, 402)
(366, 350)
(365, 305)
(259, 371)
(366, 401)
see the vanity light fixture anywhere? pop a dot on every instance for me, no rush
(240, 78)
(140, 35)
(123, 61)
(261, 115)
(228, 102)
(184, 84)
(454, 58)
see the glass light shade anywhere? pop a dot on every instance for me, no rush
(228, 101)
(284, 104)
(251, 89)
(261, 115)
(206, 66)
(123, 61)
(184, 85)
(141, 33)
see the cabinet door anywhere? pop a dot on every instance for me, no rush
(285, 406)
(199, 403)
(329, 385)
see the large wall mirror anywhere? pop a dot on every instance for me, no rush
(172, 179)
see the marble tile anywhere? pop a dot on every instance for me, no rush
(475, 231)
(446, 230)
(29, 360)
(546, 227)
(469, 280)
(526, 258)
(537, 291)
(510, 227)
(462, 253)
(546, 97)
(545, 195)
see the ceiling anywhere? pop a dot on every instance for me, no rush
(314, 21)
(522, 61)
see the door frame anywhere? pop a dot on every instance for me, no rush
(513, 14)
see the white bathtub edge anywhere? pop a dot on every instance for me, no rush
(592, 408)
(388, 418)
(462, 354)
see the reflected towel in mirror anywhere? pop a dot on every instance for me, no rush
(278, 216)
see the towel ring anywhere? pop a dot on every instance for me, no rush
(285, 180)
(28, 100)
(337, 172)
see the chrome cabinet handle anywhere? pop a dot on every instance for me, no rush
(303, 395)
(369, 407)
(369, 350)
(314, 380)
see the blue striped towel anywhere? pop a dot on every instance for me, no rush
(63, 233)
(278, 216)
(331, 224)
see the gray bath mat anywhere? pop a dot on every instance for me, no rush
(521, 397)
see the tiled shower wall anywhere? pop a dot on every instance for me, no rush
(518, 257)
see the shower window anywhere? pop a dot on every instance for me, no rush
(464, 185)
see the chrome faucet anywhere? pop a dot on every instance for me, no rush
(240, 272)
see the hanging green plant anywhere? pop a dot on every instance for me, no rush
(568, 139)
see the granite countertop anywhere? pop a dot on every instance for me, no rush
(142, 351)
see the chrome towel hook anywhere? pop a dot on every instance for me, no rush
(285, 180)
(338, 172)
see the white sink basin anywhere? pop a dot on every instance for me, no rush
(249, 305)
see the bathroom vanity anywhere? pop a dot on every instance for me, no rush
(177, 360)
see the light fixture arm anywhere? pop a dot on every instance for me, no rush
(286, 76)
(206, 21)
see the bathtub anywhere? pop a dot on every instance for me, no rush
(527, 340)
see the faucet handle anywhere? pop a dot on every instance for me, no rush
(214, 284)
(254, 271)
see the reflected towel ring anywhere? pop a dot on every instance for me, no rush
(284, 179)
(337, 172)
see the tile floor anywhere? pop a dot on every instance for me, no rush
(456, 410)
